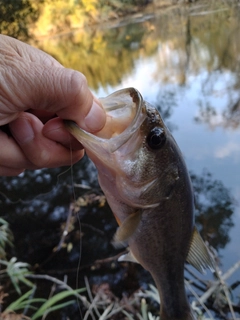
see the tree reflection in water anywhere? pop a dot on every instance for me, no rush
(214, 209)
(16, 16)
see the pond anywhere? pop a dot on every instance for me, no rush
(185, 60)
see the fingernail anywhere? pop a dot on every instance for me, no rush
(96, 118)
(22, 130)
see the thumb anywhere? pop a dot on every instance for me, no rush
(32, 85)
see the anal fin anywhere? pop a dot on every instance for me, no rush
(129, 257)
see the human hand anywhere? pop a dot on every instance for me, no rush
(33, 81)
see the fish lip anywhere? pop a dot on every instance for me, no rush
(114, 143)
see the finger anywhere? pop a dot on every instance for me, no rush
(58, 91)
(9, 172)
(39, 150)
(55, 130)
(43, 115)
(11, 155)
(17, 48)
(66, 93)
(41, 83)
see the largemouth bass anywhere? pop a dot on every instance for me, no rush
(145, 180)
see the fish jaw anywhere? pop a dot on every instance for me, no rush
(113, 152)
(125, 112)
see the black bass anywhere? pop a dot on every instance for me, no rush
(145, 180)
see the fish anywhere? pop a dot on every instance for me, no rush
(143, 175)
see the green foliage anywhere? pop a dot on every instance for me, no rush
(17, 272)
(59, 16)
(15, 17)
(24, 301)
(24, 19)
(51, 304)
(6, 237)
(47, 306)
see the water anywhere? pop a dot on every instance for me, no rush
(186, 61)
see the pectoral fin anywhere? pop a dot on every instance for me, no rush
(128, 257)
(128, 227)
(199, 255)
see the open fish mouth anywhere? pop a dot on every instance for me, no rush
(125, 111)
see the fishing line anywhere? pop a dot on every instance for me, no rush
(80, 232)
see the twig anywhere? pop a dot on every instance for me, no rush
(106, 311)
(120, 308)
(230, 271)
(110, 259)
(81, 186)
(203, 13)
(65, 231)
(214, 286)
(226, 291)
(194, 284)
(93, 305)
(198, 299)
(192, 273)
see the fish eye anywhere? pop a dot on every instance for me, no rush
(156, 138)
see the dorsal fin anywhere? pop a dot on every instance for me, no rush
(199, 255)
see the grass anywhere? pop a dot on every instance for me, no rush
(208, 298)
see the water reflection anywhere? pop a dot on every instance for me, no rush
(16, 17)
(214, 209)
(181, 43)
(47, 207)
(105, 57)
(180, 51)
(227, 117)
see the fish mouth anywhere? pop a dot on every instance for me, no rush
(125, 112)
